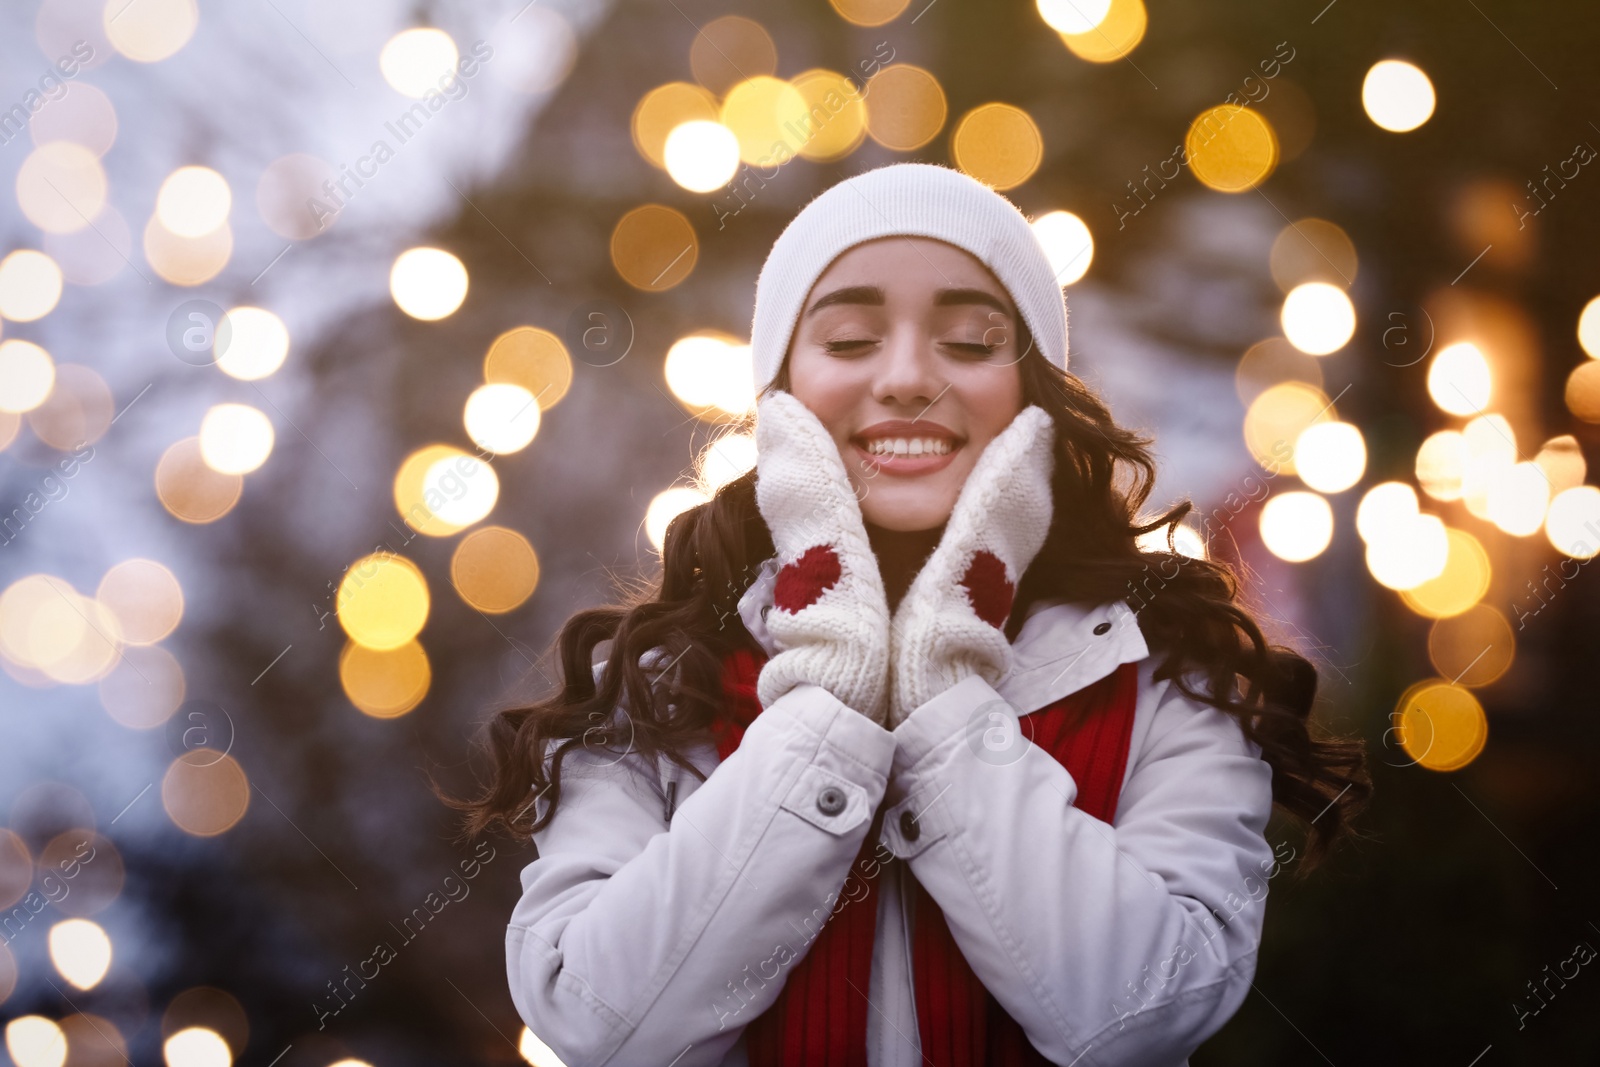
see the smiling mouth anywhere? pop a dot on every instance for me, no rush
(907, 448)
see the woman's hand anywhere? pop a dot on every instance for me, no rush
(829, 614)
(950, 623)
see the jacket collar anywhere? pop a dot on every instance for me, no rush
(1062, 646)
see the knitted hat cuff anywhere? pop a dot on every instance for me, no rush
(914, 200)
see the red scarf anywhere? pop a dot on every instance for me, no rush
(820, 1018)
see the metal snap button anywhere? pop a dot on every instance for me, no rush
(1103, 628)
(908, 826)
(831, 800)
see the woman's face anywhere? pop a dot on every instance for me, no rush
(906, 350)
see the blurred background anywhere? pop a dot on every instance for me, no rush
(346, 349)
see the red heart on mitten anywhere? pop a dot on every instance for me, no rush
(802, 583)
(988, 589)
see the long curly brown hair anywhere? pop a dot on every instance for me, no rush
(712, 552)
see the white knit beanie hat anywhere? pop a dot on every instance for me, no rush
(913, 199)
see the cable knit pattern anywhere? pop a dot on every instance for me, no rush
(949, 625)
(829, 616)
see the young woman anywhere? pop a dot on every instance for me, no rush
(887, 771)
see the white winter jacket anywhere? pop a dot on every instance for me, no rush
(649, 941)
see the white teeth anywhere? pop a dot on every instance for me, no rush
(913, 446)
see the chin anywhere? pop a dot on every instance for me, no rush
(908, 514)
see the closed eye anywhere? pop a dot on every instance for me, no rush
(847, 345)
(976, 348)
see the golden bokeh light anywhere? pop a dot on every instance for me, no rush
(869, 12)
(30, 285)
(1573, 522)
(1296, 526)
(665, 108)
(1276, 419)
(1442, 464)
(197, 1046)
(654, 248)
(254, 344)
(235, 438)
(1318, 318)
(34, 1041)
(666, 506)
(1459, 380)
(27, 375)
(418, 61)
(1117, 35)
(1384, 509)
(1473, 648)
(1067, 244)
(1589, 328)
(437, 483)
(1517, 498)
(701, 156)
(1231, 148)
(533, 358)
(48, 626)
(77, 412)
(1397, 95)
(836, 121)
(494, 569)
(1562, 461)
(61, 187)
(906, 107)
(428, 283)
(729, 50)
(82, 114)
(1441, 726)
(212, 1008)
(1408, 551)
(16, 868)
(1491, 446)
(768, 117)
(1073, 16)
(1583, 391)
(501, 418)
(144, 688)
(1461, 584)
(1313, 250)
(1271, 362)
(205, 792)
(190, 489)
(724, 459)
(80, 951)
(92, 862)
(385, 683)
(1330, 457)
(711, 374)
(145, 597)
(193, 201)
(151, 30)
(382, 601)
(998, 144)
(187, 261)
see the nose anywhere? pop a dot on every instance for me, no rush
(907, 371)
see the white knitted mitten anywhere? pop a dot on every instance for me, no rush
(950, 623)
(829, 615)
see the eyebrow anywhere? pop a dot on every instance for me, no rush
(872, 295)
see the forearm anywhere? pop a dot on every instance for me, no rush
(687, 941)
(1122, 945)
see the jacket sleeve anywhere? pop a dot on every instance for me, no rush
(1122, 943)
(636, 941)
